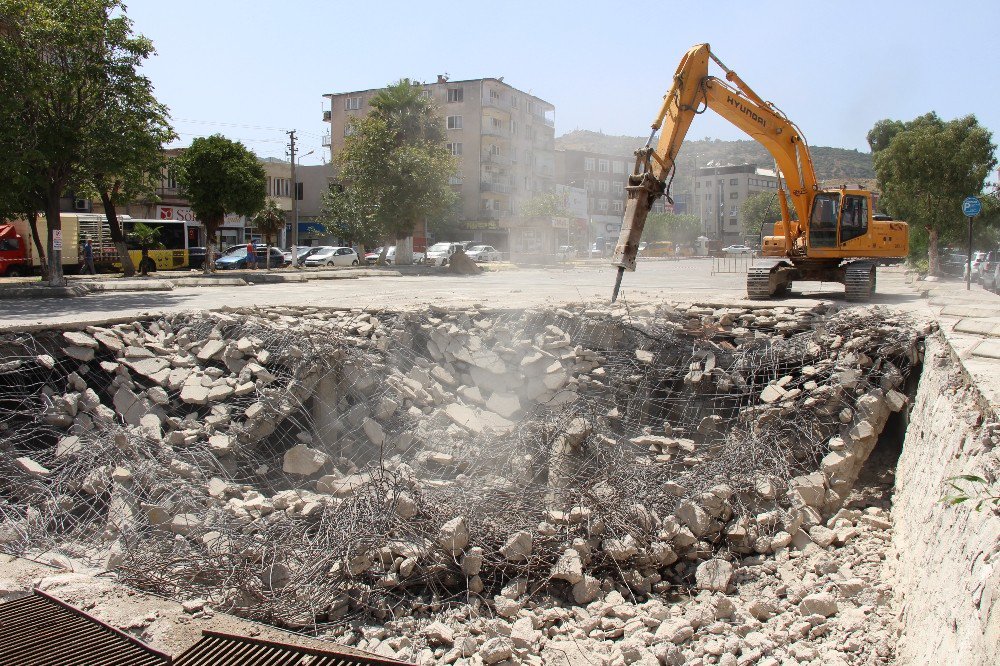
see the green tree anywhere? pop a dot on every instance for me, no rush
(269, 221)
(61, 64)
(147, 238)
(544, 205)
(925, 167)
(394, 168)
(350, 219)
(680, 229)
(124, 148)
(759, 209)
(219, 177)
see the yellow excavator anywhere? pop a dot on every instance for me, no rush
(834, 235)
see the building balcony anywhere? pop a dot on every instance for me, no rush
(496, 131)
(489, 214)
(326, 141)
(498, 188)
(326, 116)
(492, 103)
(499, 160)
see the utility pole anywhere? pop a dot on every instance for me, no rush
(295, 201)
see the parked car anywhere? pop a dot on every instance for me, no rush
(371, 258)
(994, 283)
(484, 253)
(737, 249)
(954, 263)
(984, 271)
(236, 257)
(566, 252)
(439, 253)
(328, 255)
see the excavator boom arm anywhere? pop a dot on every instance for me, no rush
(693, 91)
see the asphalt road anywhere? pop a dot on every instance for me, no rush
(684, 280)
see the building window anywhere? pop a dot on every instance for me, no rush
(496, 123)
(455, 94)
(591, 204)
(513, 154)
(588, 185)
(588, 163)
(513, 101)
(617, 167)
(734, 181)
(426, 94)
(697, 184)
(617, 207)
(352, 103)
(602, 186)
(513, 127)
(455, 148)
(454, 122)
(619, 187)
(602, 205)
(734, 195)
(171, 179)
(603, 166)
(494, 96)
(708, 196)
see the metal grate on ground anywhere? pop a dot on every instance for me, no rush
(40, 630)
(219, 649)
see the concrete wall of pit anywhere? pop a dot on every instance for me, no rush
(947, 556)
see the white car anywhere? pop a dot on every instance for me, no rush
(371, 258)
(439, 253)
(484, 253)
(737, 249)
(333, 256)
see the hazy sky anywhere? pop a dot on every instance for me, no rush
(252, 69)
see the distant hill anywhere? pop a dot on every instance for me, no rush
(832, 164)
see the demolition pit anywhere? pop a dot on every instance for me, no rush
(649, 485)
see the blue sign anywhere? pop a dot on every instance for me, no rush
(971, 206)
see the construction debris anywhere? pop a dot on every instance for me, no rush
(303, 466)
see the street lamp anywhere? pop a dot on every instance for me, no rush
(295, 209)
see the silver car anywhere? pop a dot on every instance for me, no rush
(484, 253)
(333, 256)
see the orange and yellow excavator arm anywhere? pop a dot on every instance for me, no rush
(693, 91)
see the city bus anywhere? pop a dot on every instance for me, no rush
(173, 253)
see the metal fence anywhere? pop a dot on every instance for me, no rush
(732, 263)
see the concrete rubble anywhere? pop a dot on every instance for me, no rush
(363, 462)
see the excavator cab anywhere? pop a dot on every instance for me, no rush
(823, 220)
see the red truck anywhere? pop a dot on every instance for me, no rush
(17, 252)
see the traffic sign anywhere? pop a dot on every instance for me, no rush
(971, 206)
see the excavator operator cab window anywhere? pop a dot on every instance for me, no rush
(823, 221)
(854, 222)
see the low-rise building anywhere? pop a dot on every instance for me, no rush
(719, 191)
(502, 137)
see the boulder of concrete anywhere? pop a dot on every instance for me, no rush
(303, 461)
(454, 535)
(714, 575)
(517, 547)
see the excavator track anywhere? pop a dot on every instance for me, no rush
(859, 281)
(759, 282)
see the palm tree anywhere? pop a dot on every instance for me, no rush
(269, 221)
(146, 237)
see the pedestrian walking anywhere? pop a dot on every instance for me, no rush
(251, 256)
(88, 258)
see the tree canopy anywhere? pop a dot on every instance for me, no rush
(681, 229)
(64, 67)
(760, 209)
(220, 176)
(925, 168)
(394, 168)
(546, 204)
